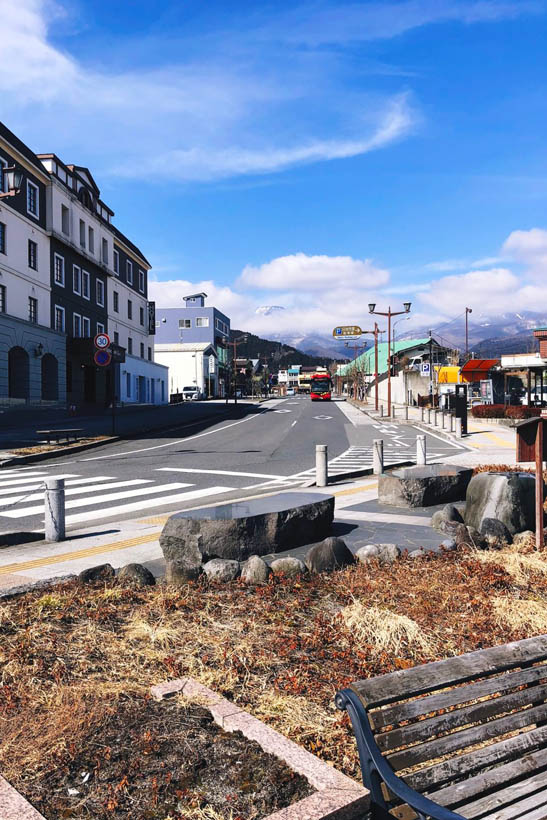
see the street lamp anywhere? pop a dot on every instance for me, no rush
(389, 314)
(13, 177)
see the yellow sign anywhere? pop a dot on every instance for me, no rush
(347, 330)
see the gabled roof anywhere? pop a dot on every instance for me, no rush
(365, 362)
(481, 365)
(184, 347)
(21, 148)
(195, 296)
(129, 244)
(85, 174)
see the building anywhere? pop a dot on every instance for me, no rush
(195, 323)
(32, 348)
(190, 364)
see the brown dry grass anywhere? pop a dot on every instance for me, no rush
(522, 613)
(281, 650)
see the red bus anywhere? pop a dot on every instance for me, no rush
(320, 387)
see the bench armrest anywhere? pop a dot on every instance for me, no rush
(376, 770)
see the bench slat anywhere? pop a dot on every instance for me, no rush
(470, 762)
(454, 794)
(427, 678)
(521, 810)
(501, 799)
(467, 737)
(391, 715)
(478, 712)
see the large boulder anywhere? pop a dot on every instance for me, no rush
(257, 527)
(495, 531)
(423, 486)
(289, 566)
(221, 569)
(328, 555)
(507, 497)
(136, 575)
(177, 574)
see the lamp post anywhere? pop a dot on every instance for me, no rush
(467, 312)
(389, 314)
(12, 179)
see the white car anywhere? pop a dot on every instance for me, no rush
(191, 393)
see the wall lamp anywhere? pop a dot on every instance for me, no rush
(39, 350)
(13, 179)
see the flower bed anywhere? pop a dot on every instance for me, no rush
(502, 411)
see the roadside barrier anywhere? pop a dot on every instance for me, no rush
(54, 507)
(378, 456)
(321, 465)
(421, 453)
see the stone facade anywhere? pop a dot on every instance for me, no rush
(41, 378)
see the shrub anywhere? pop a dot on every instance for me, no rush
(522, 412)
(488, 411)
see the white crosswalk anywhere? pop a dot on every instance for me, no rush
(22, 495)
(360, 458)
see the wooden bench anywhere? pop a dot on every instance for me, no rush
(461, 738)
(57, 435)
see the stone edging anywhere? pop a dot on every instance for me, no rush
(337, 797)
(32, 458)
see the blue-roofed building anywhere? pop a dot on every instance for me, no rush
(196, 323)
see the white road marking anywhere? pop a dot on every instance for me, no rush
(294, 422)
(98, 499)
(29, 488)
(134, 482)
(322, 418)
(147, 504)
(448, 444)
(388, 518)
(216, 472)
(282, 411)
(37, 477)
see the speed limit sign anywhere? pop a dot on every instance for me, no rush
(102, 341)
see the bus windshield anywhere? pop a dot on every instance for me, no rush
(321, 384)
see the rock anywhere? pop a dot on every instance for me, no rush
(507, 497)
(495, 530)
(136, 574)
(448, 513)
(522, 538)
(178, 574)
(255, 570)
(102, 572)
(419, 553)
(449, 544)
(330, 554)
(288, 566)
(221, 569)
(384, 553)
(423, 486)
(257, 527)
(367, 553)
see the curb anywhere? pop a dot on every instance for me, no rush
(336, 796)
(333, 479)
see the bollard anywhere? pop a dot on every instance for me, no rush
(429, 415)
(378, 456)
(421, 413)
(443, 422)
(321, 465)
(381, 410)
(54, 503)
(392, 412)
(452, 423)
(406, 412)
(435, 418)
(458, 428)
(421, 453)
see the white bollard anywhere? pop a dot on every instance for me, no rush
(421, 414)
(421, 453)
(54, 503)
(321, 465)
(406, 412)
(378, 456)
(381, 410)
(458, 428)
(452, 422)
(435, 418)
(392, 412)
(443, 422)
(429, 415)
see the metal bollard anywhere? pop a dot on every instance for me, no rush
(381, 410)
(378, 456)
(452, 422)
(392, 412)
(421, 414)
(443, 422)
(429, 415)
(406, 412)
(421, 453)
(435, 418)
(321, 465)
(458, 428)
(55, 509)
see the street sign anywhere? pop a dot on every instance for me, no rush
(102, 341)
(151, 318)
(347, 330)
(102, 358)
(211, 364)
(425, 369)
(118, 353)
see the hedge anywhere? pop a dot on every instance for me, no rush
(501, 411)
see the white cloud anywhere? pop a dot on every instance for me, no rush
(302, 272)
(530, 248)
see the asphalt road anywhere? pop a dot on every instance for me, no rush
(261, 446)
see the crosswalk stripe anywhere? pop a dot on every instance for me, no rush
(73, 482)
(219, 472)
(147, 504)
(98, 499)
(35, 477)
(76, 491)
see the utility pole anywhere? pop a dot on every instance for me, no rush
(389, 314)
(235, 342)
(467, 312)
(431, 368)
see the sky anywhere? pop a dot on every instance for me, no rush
(311, 156)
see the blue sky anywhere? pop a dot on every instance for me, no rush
(314, 155)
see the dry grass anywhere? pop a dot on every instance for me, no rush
(386, 631)
(517, 560)
(519, 613)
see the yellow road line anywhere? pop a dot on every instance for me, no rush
(493, 436)
(83, 553)
(360, 489)
(158, 519)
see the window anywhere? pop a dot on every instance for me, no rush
(141, 315)
(65, 220)
(142, 350)
(76, 325)
(202, 321)
(149, 354)
(141, 281)
(77, 279)
(116, 337)
(185, 323)
(86, 326)
(2, 298)
(32, 309)
(82, 233)
(59, 318)
(2, 237)
(129, 309)
(116, 302)
(100, 292)
(86, 289)
(128, 385)
(59, 269)
(91, 240)
(105, 251)
(3, 180)
(129, 272)
(32, 255)
(33, 207)
(100, 328)
(116, 257)
(129, 344)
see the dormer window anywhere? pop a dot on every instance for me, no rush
(85, 198)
